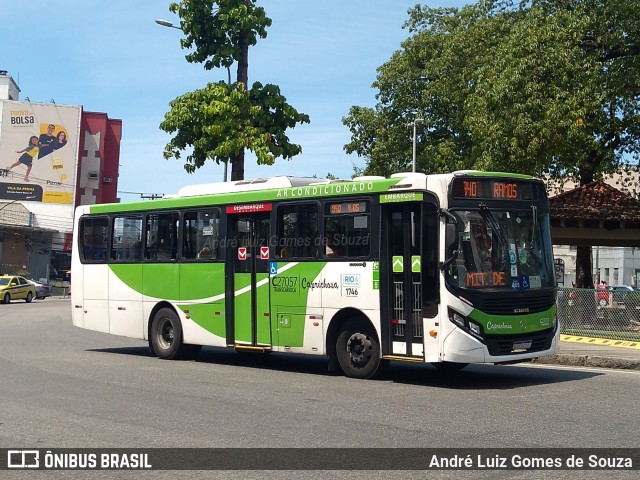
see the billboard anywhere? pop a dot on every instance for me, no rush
(38, 151)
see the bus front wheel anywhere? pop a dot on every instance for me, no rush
(166, 335)
(358, 351)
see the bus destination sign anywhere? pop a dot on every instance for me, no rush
(492, 189)
(249, 208)
(350, 207)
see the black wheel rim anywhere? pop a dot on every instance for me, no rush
(359, 349)
(166, 333)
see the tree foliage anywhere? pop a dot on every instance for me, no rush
(220, 121)
(548, 87)
(541, 87)
(217, 29)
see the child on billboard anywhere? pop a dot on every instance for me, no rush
(28, 154)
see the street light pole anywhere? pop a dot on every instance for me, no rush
(166, 23)
(414, 124)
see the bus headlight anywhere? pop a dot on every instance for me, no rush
(465, 324)
(475, 328)
(456, 318)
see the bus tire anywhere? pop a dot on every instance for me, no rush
(358, 351)
(6, 299)
(449, 366)
(166, 335)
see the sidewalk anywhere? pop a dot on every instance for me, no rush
(590, 352)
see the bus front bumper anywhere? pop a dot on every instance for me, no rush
(460, 347)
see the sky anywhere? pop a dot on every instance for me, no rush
(112, 57)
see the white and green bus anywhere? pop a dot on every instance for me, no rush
(447, 269)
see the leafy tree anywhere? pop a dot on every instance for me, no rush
(221, 120)
(546, 87)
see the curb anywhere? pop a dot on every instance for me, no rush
(589, 361)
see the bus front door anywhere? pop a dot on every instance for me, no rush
(400, 282)
(250, 323)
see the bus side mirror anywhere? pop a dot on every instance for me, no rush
(451, 236)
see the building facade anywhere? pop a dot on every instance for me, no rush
(52, 159)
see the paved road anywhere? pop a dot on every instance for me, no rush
(67, 387)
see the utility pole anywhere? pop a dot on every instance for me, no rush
(414, 124)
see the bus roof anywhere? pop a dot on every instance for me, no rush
(288, 188)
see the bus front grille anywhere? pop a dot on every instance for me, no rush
(503, 344)
(516, 305)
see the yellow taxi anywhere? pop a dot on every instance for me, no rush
(15, 287)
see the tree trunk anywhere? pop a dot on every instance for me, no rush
(237, 161)
(584, 266)
(237, 166)
(584, 277)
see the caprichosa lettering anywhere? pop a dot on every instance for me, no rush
(306, 284)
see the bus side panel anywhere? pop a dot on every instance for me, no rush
(296, 296)
(95, 291)
(125, 301)
(350, 284)
(201, 306)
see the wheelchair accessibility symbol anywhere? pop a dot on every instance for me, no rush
(273, 268)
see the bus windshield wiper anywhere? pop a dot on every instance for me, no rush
(490, 218)
(534, 228)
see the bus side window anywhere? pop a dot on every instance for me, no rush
(297, 231)
(126, 238)
(94, 236)
(201, 235)
(161, 237)
(347, 234)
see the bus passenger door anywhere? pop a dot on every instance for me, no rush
(400, 280)
(249, 261)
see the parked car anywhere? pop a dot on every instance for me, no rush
(15, 287)
(42, 289)
(623, 292)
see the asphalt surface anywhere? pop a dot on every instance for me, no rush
(578, 354)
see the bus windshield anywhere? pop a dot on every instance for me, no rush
(500, 249)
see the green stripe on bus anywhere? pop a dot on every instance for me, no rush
(271, 195)
(514, 324)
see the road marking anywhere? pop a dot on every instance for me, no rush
(600, 341)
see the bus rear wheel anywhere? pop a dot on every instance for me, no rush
(358, 351)
(166, 335)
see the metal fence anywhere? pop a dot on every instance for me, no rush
(599, 313)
